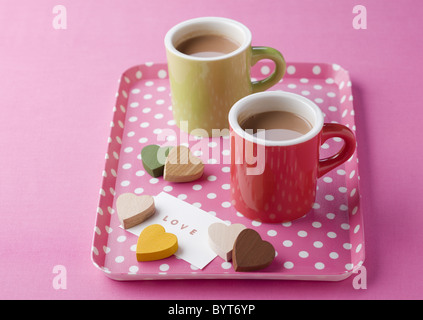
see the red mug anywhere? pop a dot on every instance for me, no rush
(275, 181)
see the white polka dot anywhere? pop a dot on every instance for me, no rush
(332, 108)
(133, 269)
(164, 267)
(316, 224)
(226, 169)
(138, 74)
(256, 223)
(343, 207)
(290, 70)
(168, 188)
(318, 100)
(226, 265)
(211, 196)
(146, 110)
(121, 239)
(331, 94)
(147, 96)
(138, 190)
(287, 243)
(226, 204)
(292, 86)
(139, 173)
(211, 178)
(319, 266)
(265, 70)
(303, 254)
(336, 67)
(197, 204)
(272, 233)
(330, 81)
(149, 83)
(144, 124)
(329, 197)
(154, 180)
(160, 102)
(347, 246)
(317, 70)
(349, 266)
(226, 186)
(304, 80)
(162, 74)
(327, 179)
(302, 233)
(334, 255)
(330, 216)
(119, 259)
(135, 90)
(158, 115)
(345, 226)
(125, 183)
(127, 166)
(342, 189)
(341, 172)
(182, 196)
(197, 187)
(331, 235)
(318, 244)
(356, 228)
(288, 265)
(305, 92)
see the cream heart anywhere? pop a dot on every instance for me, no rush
(222, 238)
(133, 209)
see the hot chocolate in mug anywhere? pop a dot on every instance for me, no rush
(209, 61)
(275, 180)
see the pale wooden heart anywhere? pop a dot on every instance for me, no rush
(182, 166)
(222, 238)
(133, 209)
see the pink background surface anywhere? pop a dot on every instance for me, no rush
(57, 93)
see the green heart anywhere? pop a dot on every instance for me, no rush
(154, 158)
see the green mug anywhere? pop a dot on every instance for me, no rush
(203, 89)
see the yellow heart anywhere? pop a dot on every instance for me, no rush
(154, 243)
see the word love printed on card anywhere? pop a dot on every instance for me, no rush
(188, 223)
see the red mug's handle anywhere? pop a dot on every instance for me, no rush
(334, 130)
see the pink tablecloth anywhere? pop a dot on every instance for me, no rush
(57, 92)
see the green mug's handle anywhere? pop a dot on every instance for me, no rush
(260, 53)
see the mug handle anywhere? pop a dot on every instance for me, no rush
(260, 53)
(335, 130)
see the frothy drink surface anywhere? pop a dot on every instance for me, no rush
(279, 125)
(207, 46)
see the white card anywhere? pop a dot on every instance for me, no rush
(190, 225)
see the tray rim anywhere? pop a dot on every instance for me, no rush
(118, 276)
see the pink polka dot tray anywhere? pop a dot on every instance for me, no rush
(327, 244)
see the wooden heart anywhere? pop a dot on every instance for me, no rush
(154, 158)
(250, 252)
(133, 209)
(222, 238)
(154, 243)
(182, 166)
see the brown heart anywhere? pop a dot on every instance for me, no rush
(250, 252)
(182, 166)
